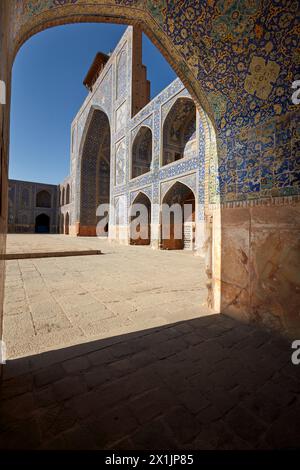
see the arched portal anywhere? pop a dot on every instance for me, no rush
(179, 131)
(140, 221)
(43, 199)
(95, 173)
(142, 152)
(42, 223)
(177, 223)
(99, 12)
(67, 223)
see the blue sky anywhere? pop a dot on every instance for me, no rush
(47, 93)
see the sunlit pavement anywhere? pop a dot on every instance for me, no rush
(56, 302)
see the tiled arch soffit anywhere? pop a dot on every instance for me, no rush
(30, 17)
(236, 59)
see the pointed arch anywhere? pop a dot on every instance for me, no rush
(95, 170)
(141, 154)
(141, 193)
(43, 199)
(178, 224)
(88, 120)
(140, 234)
(42, 223)
(179, 131)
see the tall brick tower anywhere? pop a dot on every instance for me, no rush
(140, 84)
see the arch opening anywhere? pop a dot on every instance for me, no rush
(42, 223)
(178, 218)
(140, 221)
(179, 131)
(142, 152)
(95, 174)
(86, 224)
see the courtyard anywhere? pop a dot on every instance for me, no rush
(57, 302)
(118, 351)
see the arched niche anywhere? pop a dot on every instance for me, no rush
(95, 171)
(141, 152)
(140, 220)
(179, 131)
(174, 222)
(43, 199)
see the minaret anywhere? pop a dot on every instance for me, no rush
(140, 84)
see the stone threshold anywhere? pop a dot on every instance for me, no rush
(48, 254)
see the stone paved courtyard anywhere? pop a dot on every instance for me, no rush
(206, 382)
(56, 302)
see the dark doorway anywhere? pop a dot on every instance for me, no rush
(182, 195)
(143, 229)
(42, 224)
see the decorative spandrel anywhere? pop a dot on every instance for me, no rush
(120, 163)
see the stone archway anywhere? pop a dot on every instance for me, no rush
(258, 219)
(245, 99)
(30, 19)
(41, 17)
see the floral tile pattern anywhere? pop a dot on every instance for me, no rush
(243, 54)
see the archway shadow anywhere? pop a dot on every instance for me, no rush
(206, 383)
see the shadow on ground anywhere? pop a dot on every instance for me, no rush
(209, 383)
